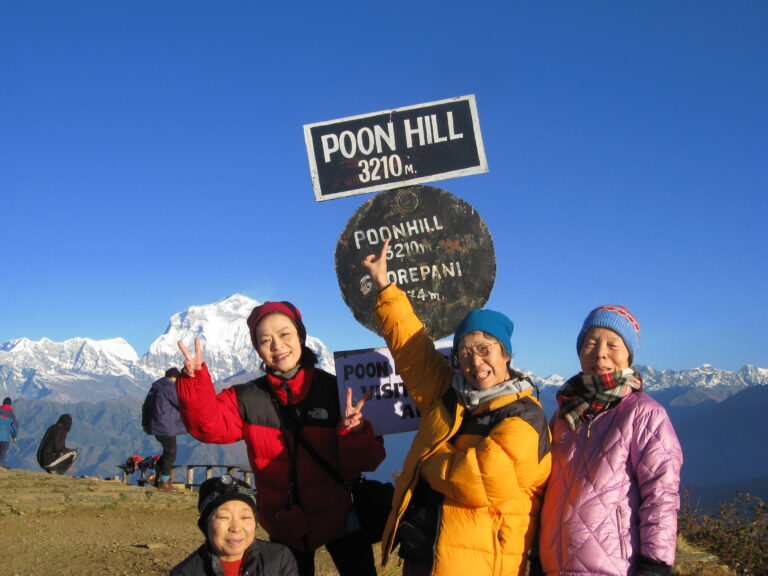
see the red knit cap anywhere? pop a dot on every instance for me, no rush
(283, 308)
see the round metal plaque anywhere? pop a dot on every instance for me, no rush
(440, 253)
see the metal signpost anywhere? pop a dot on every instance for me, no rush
(395, 148)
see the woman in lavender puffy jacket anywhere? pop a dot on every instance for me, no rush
(610, 508)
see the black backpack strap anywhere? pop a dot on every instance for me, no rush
(295, 426)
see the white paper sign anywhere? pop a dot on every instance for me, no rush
(390, 408)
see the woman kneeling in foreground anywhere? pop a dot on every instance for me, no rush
(611, 504)
(228, 520)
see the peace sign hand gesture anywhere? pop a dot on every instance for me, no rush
(192, 363)
(353, 412)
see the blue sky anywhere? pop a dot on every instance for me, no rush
(152, 158)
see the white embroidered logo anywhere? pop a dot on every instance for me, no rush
(318, 413)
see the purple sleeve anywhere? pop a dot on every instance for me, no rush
(657, 459)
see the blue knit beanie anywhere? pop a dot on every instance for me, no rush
(490, 321)
(616, 318)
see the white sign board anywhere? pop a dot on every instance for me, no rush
(390, 408)
(395, 148)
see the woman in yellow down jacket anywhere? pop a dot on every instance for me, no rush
(467, 500)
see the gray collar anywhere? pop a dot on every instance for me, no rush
(471, 397)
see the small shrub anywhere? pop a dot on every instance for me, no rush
(738, 534)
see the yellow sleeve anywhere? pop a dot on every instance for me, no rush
(423, 369)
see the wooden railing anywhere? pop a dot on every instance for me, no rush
(189, 473)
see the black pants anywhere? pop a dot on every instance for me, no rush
(352, 555)
(164, 465)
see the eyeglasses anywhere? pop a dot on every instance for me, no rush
(482, 350)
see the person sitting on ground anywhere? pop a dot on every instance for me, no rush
(52, 454)
(9, 428)
(227, 509)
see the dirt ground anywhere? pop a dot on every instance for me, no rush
(86, 526)
(75, 526)
(63, 525)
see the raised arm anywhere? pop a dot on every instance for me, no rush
(423, 369)
(207, 416)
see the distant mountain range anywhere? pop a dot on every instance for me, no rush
(716, 413)
(85, 370)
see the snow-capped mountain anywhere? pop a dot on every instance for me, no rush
(705, 376)
(75, 369)
(226, 341)
(87, 370)
(224, 334)
(81, 369)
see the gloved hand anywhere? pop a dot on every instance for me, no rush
(647, 567)
(534, 566)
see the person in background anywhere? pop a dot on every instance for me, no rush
(52, 453)
(9, 428)
(289, 419)
(611, 505)
(228, 519)
(468, 497)
(160, 417)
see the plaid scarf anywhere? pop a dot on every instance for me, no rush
(583, 397)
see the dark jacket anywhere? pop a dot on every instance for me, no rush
(261, 559)
(319, 505)
(160, 412)
(52, 446)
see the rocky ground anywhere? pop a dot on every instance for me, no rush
(74, 526)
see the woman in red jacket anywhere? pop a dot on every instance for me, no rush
(290, 418)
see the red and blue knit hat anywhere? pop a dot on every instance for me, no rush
(616, 318)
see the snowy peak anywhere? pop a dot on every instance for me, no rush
(74, 355)
(222, 330)
(226, 341)
(705, 376)
(82, 369)
(69, 371)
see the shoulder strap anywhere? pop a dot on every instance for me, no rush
(295, 427)
(330, 470)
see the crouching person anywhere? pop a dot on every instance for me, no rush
(228, 519)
